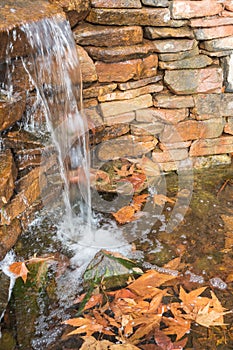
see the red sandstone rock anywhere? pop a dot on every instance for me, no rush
(193, 81)
(220, 44)
(174, 45)
(88, 34)
(229, 5)
(220, 145)
(200, 61)
(192, 130)
(211, 22)
(176, 56)
(228, 129)
(169, 155)
(207, 106)
(144, 16)
(87, 66)
(139, 83)
(126, 70)
(167, 100)
(169, 116)
(167, 32)
(124, 118)
(11, 110)
(96, 90)
(154, 128)
(8, 237)
(192, 9)
(8, 174)
(214, 32)
(175, 145)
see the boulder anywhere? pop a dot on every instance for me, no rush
(8, 175)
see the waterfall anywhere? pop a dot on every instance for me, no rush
(54, 70)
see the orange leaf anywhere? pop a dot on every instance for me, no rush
(177, 326)
(161, 199)
(137, 180)
(138, 201)
(125, 170)
(20, 270)
(125, 214)
(85, 325)
(146, 284)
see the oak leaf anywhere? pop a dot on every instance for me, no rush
(20, 270)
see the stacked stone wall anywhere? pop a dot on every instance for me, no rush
(164, 68)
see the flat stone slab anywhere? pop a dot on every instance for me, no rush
(13, 14)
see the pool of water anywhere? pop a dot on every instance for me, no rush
(203, 239)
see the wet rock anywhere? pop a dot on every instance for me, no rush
(28, 158)
(21, 140)
(191, 9)
(221, 145)
(28, 191)
(98, 90)
(8, 174)
(130, 94)
(144, 16)
(139, 83)
(76, 10)
(90, 103)
(211, 161)
(88, 70)
(28, 303)
(179, 55)
(4, 296)
(170, 116)
(109, 109)
(116, 3)
(8, 236)
(167, 32)
(168, 100)
(120, 53)
(126, 70)
(88, 34)
(126, 146)
(11, 110)
(111, 270)
(94, 119)
(7, 340)
(191, 81)
(14, 14)
(199, 61)
(192, 130)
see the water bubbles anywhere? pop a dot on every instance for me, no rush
(217, 282)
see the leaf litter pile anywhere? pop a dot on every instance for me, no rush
(152, 312)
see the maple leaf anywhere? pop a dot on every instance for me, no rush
(20, 270)
(208, 317)
(138, 201)
(94, 300)
(161, 199)
(147, 283)
(138, 181)
(165, 343)
(86, 325)
(176, 326)
(94, 344)
(125, 214)
(148, 323)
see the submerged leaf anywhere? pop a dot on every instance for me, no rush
(20, 270)
(161, 199)
(125, 214)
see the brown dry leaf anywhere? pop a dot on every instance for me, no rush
(148, 324)
(173, 264)
(228, 222)
(102, 175)
(20, 270)
(165, 343)
(161, 199)
(138, 201)
(125, 170)
(208, 317)
(147, 283)
(191, 299)
(176, 326)
(85, 325)
(138, 181)
(94, 300)
(90, 343)
(125, 214)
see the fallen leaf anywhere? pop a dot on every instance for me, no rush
(148, 324)
(124, 215)
(147, 283)
(20, 270)
(161, 199)
(208, 317)
(94, 300)
(138, 181)
(125, 170)
(176, 326)
(85, 325)
(90, 343)
(138, 201)
(165, 342)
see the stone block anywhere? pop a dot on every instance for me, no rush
(123, 118)
(156, 3)
(96, 90)
(211, 161)
(211, 22)
(120, 53)
(229, 5)
(167, 32)
(214, 32)
(109, 109)
(175, 145)
(154, 128)
(220, 44)
(88, 34)
(178, 55)
(169, 116)
(228, 129)
(190, 9)
(167, 100)
(174, 45)
(192, 130)
(126, 70)
(199, 61)
(192, 81)
(169, 155)
(207, 106)
(129, 94)
(220, 145)
(139, 83)
(11, 110)
(87, 67)
(142, 17)
(116, 3)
